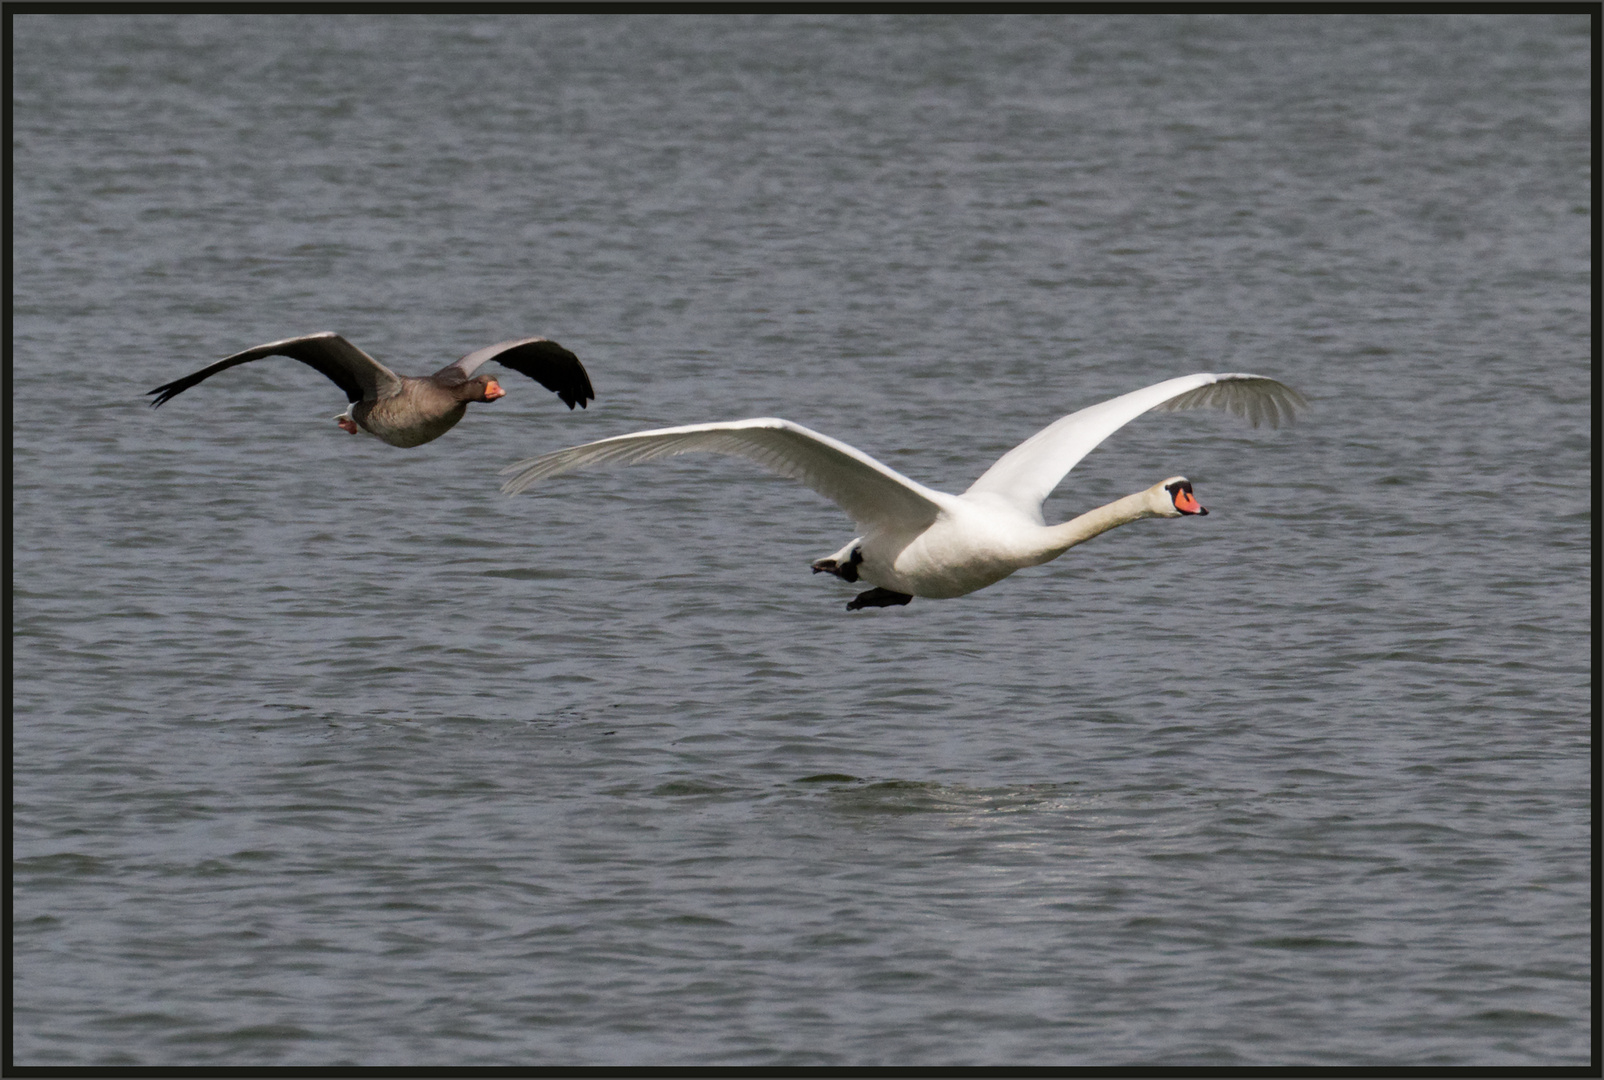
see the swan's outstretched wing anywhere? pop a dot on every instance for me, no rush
(1027, 474)
(351, 369)
(870, 492)
(546, 362)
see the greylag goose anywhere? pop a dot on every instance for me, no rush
(410, 410)
(922, 542)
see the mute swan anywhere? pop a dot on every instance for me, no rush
(921, 542)
(407, 410)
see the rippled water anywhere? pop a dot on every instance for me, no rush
(326, 752)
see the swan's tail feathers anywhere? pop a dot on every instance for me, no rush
(1252, 396)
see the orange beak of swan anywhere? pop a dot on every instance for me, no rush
(1187, 503)
(493, 390)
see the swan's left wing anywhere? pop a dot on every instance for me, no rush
(873, 494)
(546, 362)
(1027, 474)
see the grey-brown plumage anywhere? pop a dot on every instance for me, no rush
(409, 410)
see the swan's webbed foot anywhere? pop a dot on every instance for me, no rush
(846, 570)
(878, 597)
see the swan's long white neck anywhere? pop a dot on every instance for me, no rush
(1058, 539)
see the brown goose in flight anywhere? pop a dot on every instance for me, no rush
(409, 410)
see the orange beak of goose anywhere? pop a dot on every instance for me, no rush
(493, 390)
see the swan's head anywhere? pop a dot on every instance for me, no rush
(1177, 499)
(489, 389)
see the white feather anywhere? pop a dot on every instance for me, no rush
(922, 542)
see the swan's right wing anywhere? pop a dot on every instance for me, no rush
(871, 493)
(351, 369)
(1027, 474)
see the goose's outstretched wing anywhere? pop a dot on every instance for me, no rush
(1027, 474)
(351, 369)
(871, 493)
(546, 362)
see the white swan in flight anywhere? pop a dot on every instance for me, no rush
(920, 542)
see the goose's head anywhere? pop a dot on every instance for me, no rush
(482, 388)
(1176, 499)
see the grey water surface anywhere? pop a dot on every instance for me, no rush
(326, 752)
